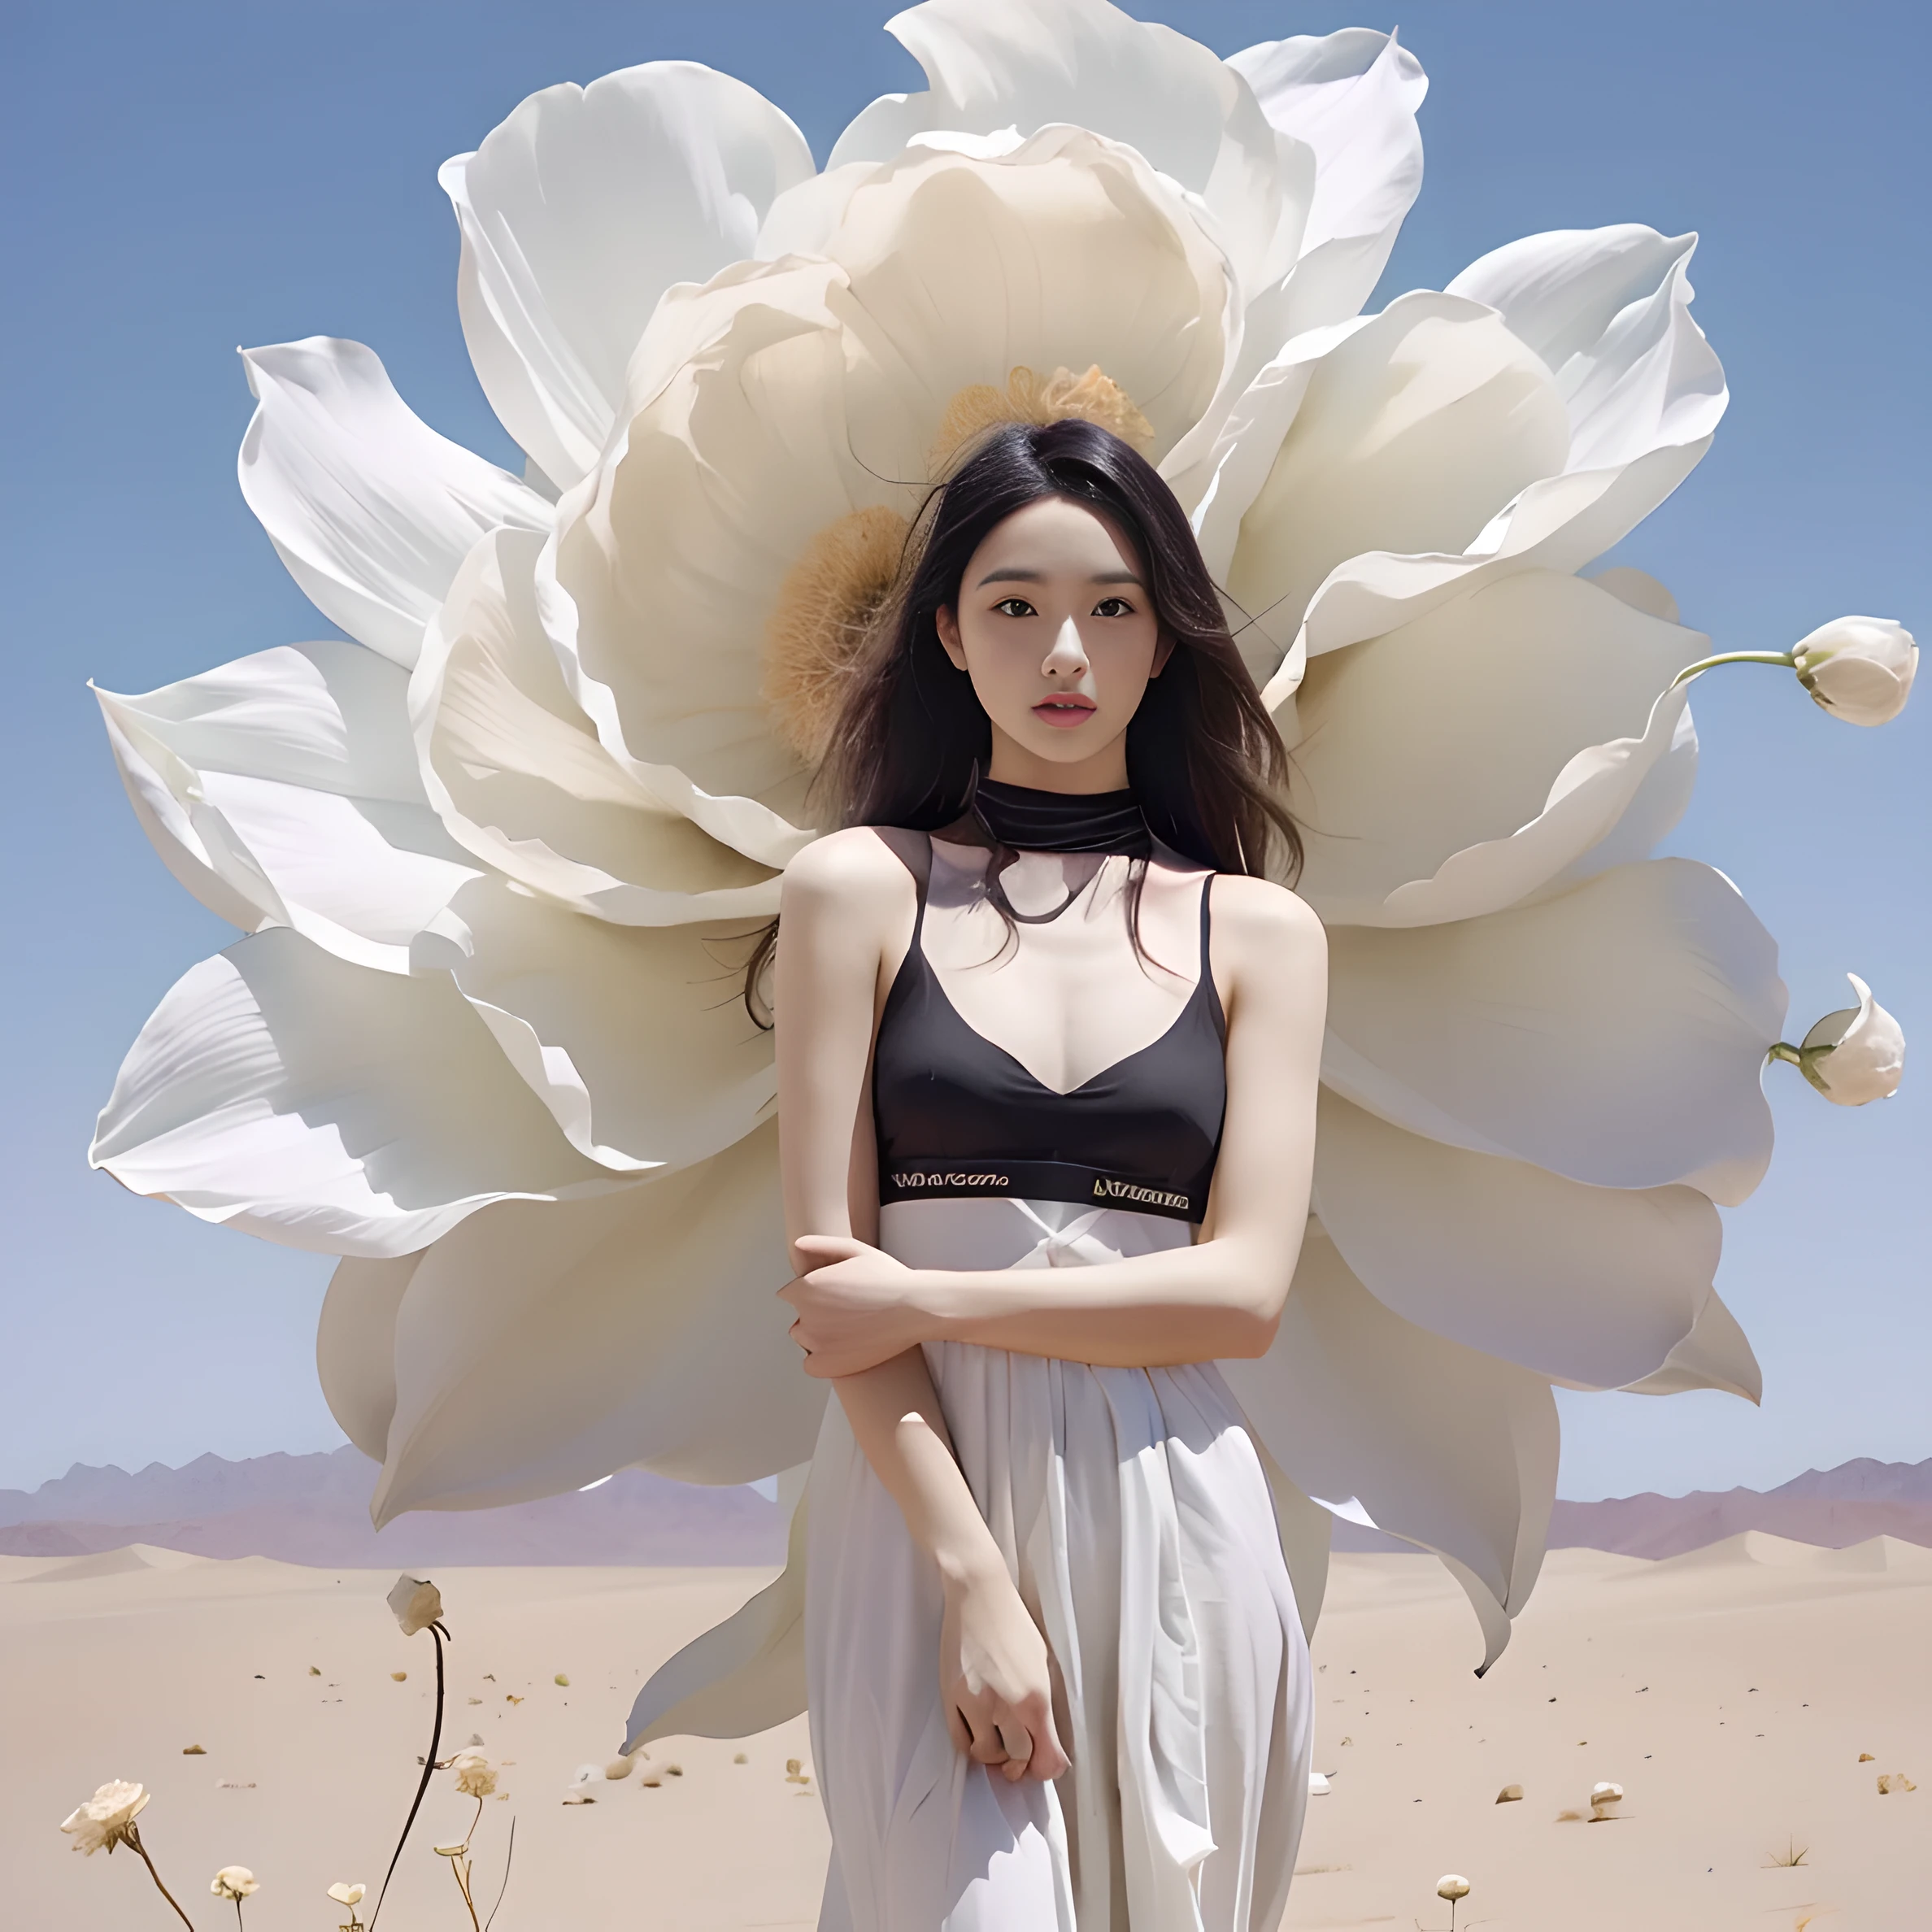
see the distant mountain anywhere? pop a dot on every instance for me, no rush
(1831, 1508)
(314, 1509)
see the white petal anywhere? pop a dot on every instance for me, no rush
(579, 210)
(538, 1348)
(1028, 64)
(743, 1676)
(1441, 1446)
(635, 1038)
(1560, 522)
(518, 775)
(1609, 309)
(282, 789)
(1591, 1286)
(278, 1089)
(1414, 430)
(370, 509)
(1715, 1355)
(818, 390)
(1615, 1034)
(1352, 97)
(1438, 775)
(355, 1347)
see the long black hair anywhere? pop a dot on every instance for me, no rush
(1204, 760)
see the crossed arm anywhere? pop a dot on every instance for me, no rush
(848, 910)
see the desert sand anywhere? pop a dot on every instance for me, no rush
(1732, 1692)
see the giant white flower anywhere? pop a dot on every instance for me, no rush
(494, 856)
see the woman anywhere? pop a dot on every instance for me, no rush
(1048, 1046)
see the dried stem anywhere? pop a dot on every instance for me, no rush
(133, 1837)
(436, 1632)
(508, 1857)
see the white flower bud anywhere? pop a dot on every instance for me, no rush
(416, 1604)
(233, 1882)
(1858, 668)
(1452, 1885)
(1855, 1055)
(345, 1894)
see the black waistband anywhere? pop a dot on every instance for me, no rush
(945, 1180)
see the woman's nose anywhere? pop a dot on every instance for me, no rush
(1067, 657)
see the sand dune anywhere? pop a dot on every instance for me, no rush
(1731, 1693)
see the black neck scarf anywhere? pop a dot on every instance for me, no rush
(1026, 821)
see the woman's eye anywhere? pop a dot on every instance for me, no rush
(1014, 607)
(1113, 606)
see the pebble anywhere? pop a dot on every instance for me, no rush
(1510, 1795)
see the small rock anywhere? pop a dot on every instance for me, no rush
(674, 1770)
(313, 1671)
(561, 1678)
(618, 1767)
(739, 1758)
(1510, 1795)
(1865, 1757)
(401, 1677)
(651, 1784)
(194, 1751)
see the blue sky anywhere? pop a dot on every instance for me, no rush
(187, 178)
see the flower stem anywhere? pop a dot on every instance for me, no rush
(140, 1850)
(508, 1857)
(435, 1631)
(1788, 659)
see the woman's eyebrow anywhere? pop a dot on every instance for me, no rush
(1015, 574)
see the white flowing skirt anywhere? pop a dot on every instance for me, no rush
(1134, 1516)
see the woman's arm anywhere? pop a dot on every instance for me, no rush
(847, 910)
(1223, 1296)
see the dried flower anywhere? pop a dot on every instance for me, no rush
(416, 1604)
(476, 1776)
(107, 1818)
(350, 1895)
(233, 1882)
(1452, 1885)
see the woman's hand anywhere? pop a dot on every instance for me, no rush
(993, 1679)
(855, 1308)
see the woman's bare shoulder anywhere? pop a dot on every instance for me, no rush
(1266, 914)
(856, 870)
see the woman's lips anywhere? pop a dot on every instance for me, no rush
(1064, 713)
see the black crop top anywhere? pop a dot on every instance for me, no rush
(958, 1117)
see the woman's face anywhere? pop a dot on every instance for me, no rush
(1056, 629)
